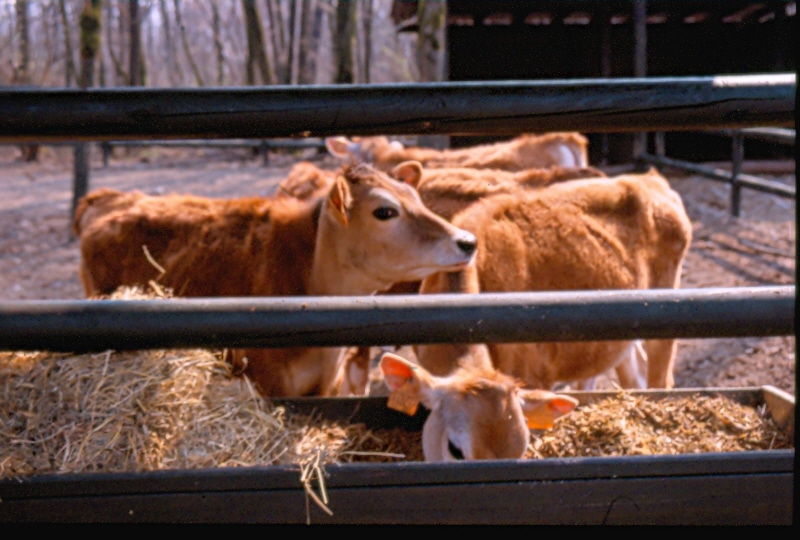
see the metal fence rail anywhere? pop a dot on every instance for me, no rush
(92, 325)
(745, 180)
(457, 108)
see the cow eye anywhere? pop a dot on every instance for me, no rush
(385, 212)
(454, 450)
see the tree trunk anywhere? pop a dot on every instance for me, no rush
(309, 50)
(90, 44)
(279, 47)
(69, 55)
(295, 25)
(432, 17)
(367, 29)
(178, 19)
(255, 45)
(215, 24)
(119, 71)
(21, 74)
(344, 40)
(431, 48)
(174, 73)
(135, 55)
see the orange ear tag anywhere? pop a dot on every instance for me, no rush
(404, 399)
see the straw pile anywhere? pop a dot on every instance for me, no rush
(152, 410)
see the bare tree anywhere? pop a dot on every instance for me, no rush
(136, 72)
(90, 43)
(185, 42)
(295, 36)
(280, 49)
(119, 72)
(310, 39)
(345, 40)
(21, 73)
(367, 32)
(215, 24)
(69, 65)
(255, 45)
(432, 18)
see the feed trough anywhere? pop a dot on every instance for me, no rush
(746, 487)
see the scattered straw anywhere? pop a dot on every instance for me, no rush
(626, 425)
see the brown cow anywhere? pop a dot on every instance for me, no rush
(628, 232)
(446, 191)
(369, 231)
(524, 152)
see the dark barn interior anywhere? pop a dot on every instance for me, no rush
(560, 39)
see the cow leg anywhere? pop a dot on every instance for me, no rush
(586, 384)
(631, 371)
(356, 371)
(660, 362)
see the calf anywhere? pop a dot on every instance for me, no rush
(524, 152)
(628, 232)
(368, 232)
(476, 412)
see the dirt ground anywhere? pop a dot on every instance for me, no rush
(39, 259)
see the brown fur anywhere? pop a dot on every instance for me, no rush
(446, 191)
(269, 247)
(527, 151)
(629, 232)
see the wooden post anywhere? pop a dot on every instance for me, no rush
(736, 169)
(605, 70)
(639, 67)
(431, 52)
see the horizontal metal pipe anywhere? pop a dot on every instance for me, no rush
(776, 135)
(744, 180)
(95, 325)
(458, 108)
(235, 143)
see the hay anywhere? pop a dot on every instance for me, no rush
(153, 410)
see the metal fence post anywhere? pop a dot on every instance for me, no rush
(263, 149)
(660, 143)
(736, 168)
(106, 149)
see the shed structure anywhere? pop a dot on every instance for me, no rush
(566, 39)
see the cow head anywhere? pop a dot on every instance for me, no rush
(375, 231)
(475, 414)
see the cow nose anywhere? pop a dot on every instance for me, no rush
(467, 244)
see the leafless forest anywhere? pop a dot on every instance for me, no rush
(202, 43)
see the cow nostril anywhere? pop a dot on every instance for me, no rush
(467, 246)
(454, 450)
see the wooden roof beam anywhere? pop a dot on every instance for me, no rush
(578, 17)
(742, 14)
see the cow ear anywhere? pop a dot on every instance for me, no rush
(542, 408)
(409, 383)
(409, 172)
(341, 147)
(340, 200)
